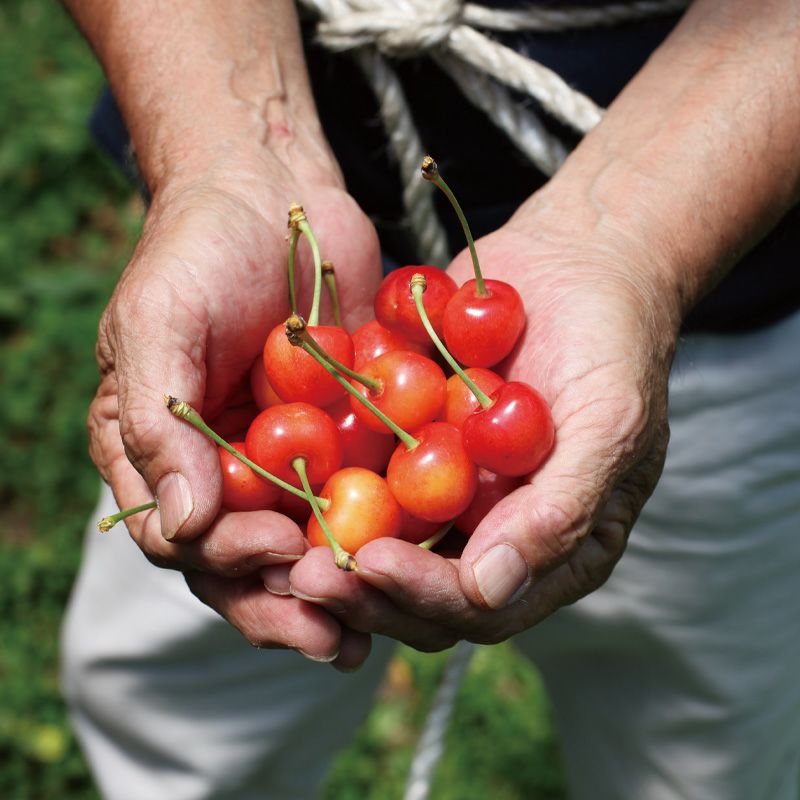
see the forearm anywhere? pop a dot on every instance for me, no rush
(202, 83)
(699, 154)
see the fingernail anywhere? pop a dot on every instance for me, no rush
(276, 581)
(502, 575)
(319, 659)
(175, 503)
(334, 606)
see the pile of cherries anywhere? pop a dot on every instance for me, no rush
(366, 431)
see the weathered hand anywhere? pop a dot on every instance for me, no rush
(188, 317)
(598, 345)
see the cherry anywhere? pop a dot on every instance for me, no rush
(481, 328)
(405, 386)
(361, 509)
(372, 340)
(242, 489)
(514, 435)
(281, 434)
(394, 305)
(492, 488)
(460, 401)
(263, 394)
(295, 376)
(361, 446)
(416, 530)
(512, 432)
(409, 388)
(434, 479)
(484, 318)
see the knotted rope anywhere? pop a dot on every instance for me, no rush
(486, 71)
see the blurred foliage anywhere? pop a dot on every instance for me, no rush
(68, 221)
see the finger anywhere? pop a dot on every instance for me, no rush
(541, 525)
(360, 606)
(354, 650)
(153, 341)
(276, 579)
(236, 543)
(266, 620)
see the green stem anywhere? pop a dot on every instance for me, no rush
(342, 558)
(329, 276)
(430, 171)
(406, 438)
(437, 537)
(294, 237)
(180, 408)
(374, 386)
(418, 286)
(107, 523)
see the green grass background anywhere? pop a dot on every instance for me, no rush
(68, 222)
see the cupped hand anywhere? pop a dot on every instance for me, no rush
(188, 317)
(598, 345)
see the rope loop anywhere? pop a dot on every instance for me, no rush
(400, 30)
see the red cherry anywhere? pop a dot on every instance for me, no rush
(412, 390)
(263, 394)
(492, 488)
(372, 340)
(394, 304)
(514, 435)
(296, 376)
(460, 401)
(297, 508)
(361, 509)
(361, 446)
(481, 330)
(282, 433)
(436, 480)
(242, 489)
(416, 530)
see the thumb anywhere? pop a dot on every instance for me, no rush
(155, 342)
(578, 509)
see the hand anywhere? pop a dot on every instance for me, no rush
(598, 345)
(188, 317)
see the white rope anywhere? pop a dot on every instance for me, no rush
(484, 69)
(431, 743)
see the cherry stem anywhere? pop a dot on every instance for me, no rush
(437, 537)
(329, 276)
(406, 438)
(294, 237)
(341, 557)
(107, 523)
(299, 221)
(181, 409)
(418, 285)
(296, 326)
(430, 171)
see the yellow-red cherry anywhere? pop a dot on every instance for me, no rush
(460, 402)
(435, 480)
(411, 390)
(361, 509)
(296, 376)
(280, 434)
